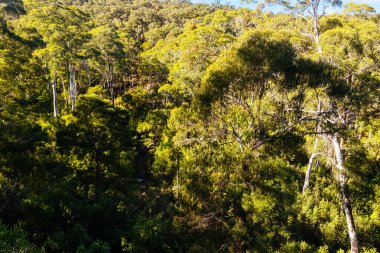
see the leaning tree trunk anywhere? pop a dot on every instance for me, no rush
(308, 170)
(342, 178)
(313, 155)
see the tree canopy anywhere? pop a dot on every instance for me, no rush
(166, 126)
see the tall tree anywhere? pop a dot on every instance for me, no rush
(63, 28)
(312, 11)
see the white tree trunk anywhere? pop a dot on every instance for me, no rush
(317, 35)
(308, 171)
(342, 178)
(313, 155)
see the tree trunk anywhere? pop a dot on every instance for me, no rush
(54, 86)
(131, 81)
(47, 75)
(72, 87)
(312, 157)
(112, 91)
(319, 47)
(64, 88)
(70, 83)
(316, 37)
(110, 84)
(314, 154)
(308, 171)
(342, 178)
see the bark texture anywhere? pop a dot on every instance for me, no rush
(342, 177)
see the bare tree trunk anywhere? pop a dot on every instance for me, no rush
(72, 88)
(316, 37)
(110, 84)
(131, 81)
(54, 86)
(70, 83)
(316, 17)
(64, 88)
(342, 178)
(308, 170)
(313, 155)
(318, 43)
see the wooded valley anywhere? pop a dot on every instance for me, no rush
(167, 126)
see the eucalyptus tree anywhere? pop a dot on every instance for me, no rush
(249, 99)
(343, 118)
(260, 97)
(354, 100)
(108, 57)
(361, 10)
(86, 181)
(63, 29)
(212, 133)
(311, 11)
(256, 75)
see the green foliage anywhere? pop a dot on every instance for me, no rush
(361, 9)
(192, 126)
(15, 239)
(96, 247)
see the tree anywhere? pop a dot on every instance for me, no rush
(240, 116)
(193, 126)
(11, 8)
(230, 82)
(311, 11)
(63, 30)
(358, 9)
(15, 239)
(108, 57)
(86, 179)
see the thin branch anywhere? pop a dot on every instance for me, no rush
(278, 133)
